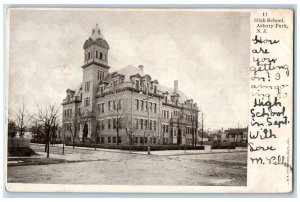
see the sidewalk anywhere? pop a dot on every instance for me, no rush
(207, 150)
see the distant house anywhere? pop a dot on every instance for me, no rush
(205, 136)
(235, 135)
(27, 134)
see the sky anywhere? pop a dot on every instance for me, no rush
(207, 52)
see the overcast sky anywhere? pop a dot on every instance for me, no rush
(207, 52)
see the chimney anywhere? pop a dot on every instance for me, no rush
(176, 86)
(141, 68)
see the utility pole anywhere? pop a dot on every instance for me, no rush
(148, 123)
(63, 151)
(202, 129)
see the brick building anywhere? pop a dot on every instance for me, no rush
(128, 104)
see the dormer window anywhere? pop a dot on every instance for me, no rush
(101, 55)
(155, 89)
(137, 84)
(89, 55)
(115, 85)
(96, 54)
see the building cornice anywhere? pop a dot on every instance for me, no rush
(129, 89)
(96, 63)
(178, 107)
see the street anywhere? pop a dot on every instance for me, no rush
(122, 168)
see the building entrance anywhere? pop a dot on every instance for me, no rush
(179, 138)
(85, 132)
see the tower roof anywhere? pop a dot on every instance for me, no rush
(96, 38)
(96, 33)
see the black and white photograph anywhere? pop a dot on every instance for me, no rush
(155, 97)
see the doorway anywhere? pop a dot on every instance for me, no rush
(85, 132)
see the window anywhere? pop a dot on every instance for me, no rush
(154, 107)
(100, 75)
(136, 104)
(109, 139)
(105, 57)
(115, 85)
(114, 104)
(146, 106)
(99, 107)
(136, 123)
(119, 104)
(167, 128)
(167, 114)
(108, 124)
(166, 99)
(146, 140)
(89, 55)
(146, 124)
(155, 89)
(154, 125)
(136, 140)
(150, 106)
(114, 139)
(109, 104)
(120, 140)
(141, 123)
(154, 140)
(141, 140)
(96, 54)
(101, 55)
(114, 123)
(102, 124)
(142, 105)
(150, 125)
(102, 139)
(102, 108)
(87, 102)
(137, 84)
(79, 111)
(87, 86)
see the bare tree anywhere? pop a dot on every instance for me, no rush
(119, 113)
(201, 125)
(97, 129)
(129, 127)
(22, 120)
(73, 130)
(47, 116)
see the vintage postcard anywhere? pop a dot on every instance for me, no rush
(149, 100)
